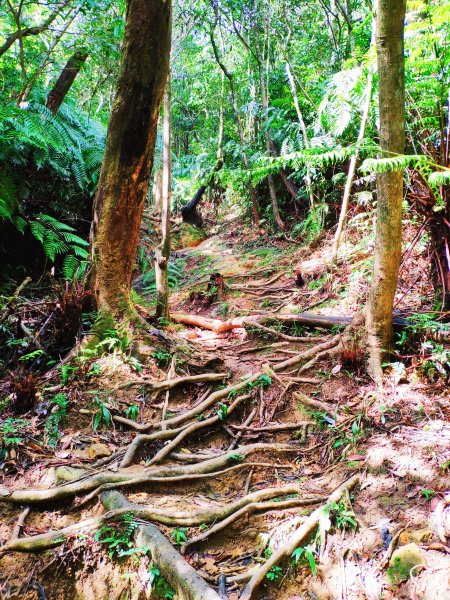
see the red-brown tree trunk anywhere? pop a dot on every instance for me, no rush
(64, 82)
(125, 173)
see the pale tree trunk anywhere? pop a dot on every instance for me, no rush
(162, 253)
(240, 128)
(391, 84)
(265, 106)
(130, 143)
(157, 189)
(352, 170)
(302, 126)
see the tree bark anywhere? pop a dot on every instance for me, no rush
(352, 171)
(125, 173)
(64, 82)
(237, 115)
(163, 252)
(391, 85)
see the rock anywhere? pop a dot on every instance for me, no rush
(418, 536)
(64, 474)
(403, 560)
(99, 451)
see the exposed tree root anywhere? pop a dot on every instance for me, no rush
(91, 482)
(248, 509)
(184, 579)
(178, 434)
(275, 427)
(316, 404)
(178, 478)
(168, 384)
(148, 513)
(300, 536)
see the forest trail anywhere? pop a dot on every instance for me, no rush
(292, 430)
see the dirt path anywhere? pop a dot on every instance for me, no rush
(325, 421)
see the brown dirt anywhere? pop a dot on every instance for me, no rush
(400, 446)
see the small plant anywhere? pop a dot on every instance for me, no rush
(344, 518)
(10, 431)
(132, 412)
(66, 372)
(102, 415)
(222, 412)
(399, 571)
(427, 494)
(274, 573)
(119, 538)
(58, 410)
(308, 554)
(236, 457)
(159, 585)
(162, 358)
(179, 535)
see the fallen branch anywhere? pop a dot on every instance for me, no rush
(299, 537)
(7, 308)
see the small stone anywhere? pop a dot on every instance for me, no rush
(418, 536)
(99, 451)
(403, 560)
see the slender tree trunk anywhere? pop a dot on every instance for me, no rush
(352, 170)
(64, 82)
(302, 126)
(265, 106)
(391, 84)
(240, 128)
(125, 173)
(162, 253)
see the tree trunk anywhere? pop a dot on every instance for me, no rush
(163, 252)
(188, 212)
(302, 126)
(237, 115)
(130, 143)
(391, 84)
(265, 106)
(65, 80)
(351, 171)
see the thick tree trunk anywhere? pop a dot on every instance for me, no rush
(162, 253)
(391, 84)
(65, 80)
(128, 158)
